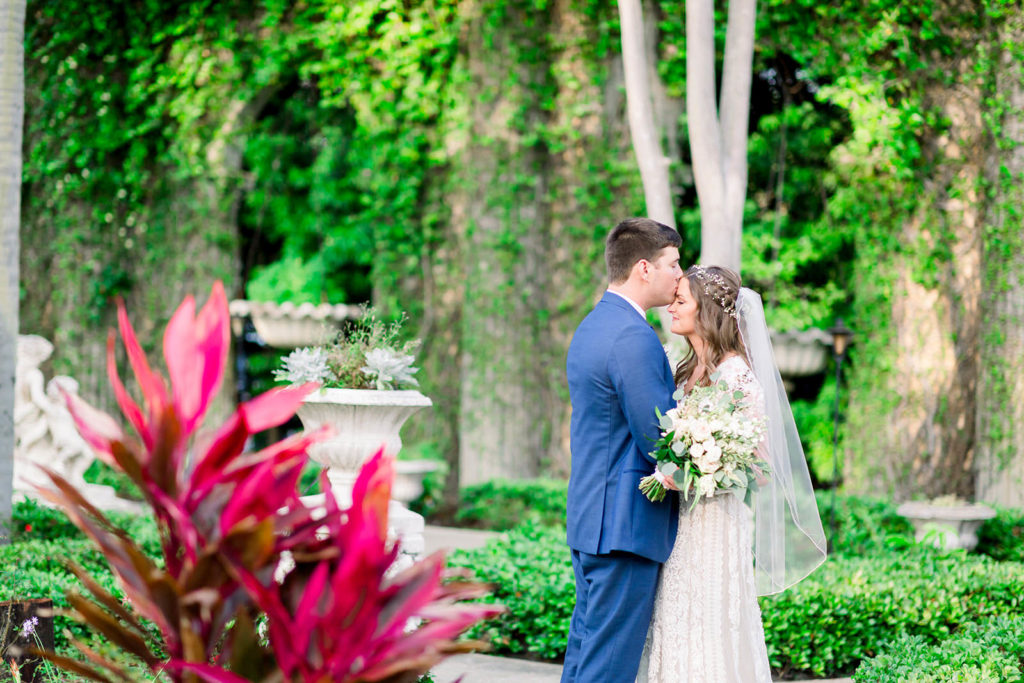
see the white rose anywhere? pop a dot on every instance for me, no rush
(713, 450)
(701, 431)
(696, 451)
(706, 485)
(708, 465)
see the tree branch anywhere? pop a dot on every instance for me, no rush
(646, 140)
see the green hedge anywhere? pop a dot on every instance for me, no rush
(38, 569)
(987, 652)
(43, 543)
(500, 505)
(1003, 536)
(531, 572)
(32, 521)
(863, 525)
(851, 608)
(845, 612)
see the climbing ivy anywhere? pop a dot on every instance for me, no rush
(331, 151)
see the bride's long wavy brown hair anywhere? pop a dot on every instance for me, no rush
(715, 289)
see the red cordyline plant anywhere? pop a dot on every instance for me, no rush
(226, 518)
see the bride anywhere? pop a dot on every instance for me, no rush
(706, 626)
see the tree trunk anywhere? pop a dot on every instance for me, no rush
(501, 422)
(914, 414)
(718, 134)
(12, 104)
(574, 275)
(1000, 422)
(641, 79)
(538, 178)
(640, 104)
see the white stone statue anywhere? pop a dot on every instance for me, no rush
(45, 433)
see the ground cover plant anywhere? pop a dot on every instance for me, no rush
(35, 564)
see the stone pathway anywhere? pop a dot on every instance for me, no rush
(479, 668)
(448, 538)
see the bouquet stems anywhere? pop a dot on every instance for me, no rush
(653, 489)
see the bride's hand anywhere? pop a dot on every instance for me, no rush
(665, 481)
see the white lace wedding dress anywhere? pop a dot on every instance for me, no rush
(706, 626)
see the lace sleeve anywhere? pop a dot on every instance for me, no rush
(740, 377)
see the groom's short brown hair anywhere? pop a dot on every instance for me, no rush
(635, 239)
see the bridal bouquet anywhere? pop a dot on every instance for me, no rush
(708, 445)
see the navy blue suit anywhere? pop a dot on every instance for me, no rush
(618, 374)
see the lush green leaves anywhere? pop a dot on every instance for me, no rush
(991, 651)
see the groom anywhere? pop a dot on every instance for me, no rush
(618, 374)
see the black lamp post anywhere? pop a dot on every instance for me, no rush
(841, 336)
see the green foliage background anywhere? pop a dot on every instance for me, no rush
(461, 161)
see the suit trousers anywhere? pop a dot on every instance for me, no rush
(614, 602)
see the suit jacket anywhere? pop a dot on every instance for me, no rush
(618, 374)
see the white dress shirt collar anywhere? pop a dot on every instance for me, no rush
(632, 303)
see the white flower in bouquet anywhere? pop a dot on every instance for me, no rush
(390, 369)
(701, 431)
(711, 461)
(709, 445)
(706, 485)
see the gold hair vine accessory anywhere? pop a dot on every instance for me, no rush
(708, 278)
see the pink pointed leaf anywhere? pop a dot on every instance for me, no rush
(213, 329)
(208, 672)
(275, 407)
(153, 390)
(184, 366)
(128, 405)
(96, 427)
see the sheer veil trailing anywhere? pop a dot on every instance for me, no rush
(789, 542)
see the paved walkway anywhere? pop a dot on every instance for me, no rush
(479, 668)
(448, 538)
(476, 668)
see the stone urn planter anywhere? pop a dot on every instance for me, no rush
(800, 353)
(288, 325)
(409, 476)
(363, 421)
(948, 526)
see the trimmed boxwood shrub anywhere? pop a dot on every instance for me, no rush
(32, 521)
(500, 505)
(38, 569)
(44, 542)
(848, 610)
(987, 652)
(531, 572)
(863, 526)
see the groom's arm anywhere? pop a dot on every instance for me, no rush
(636, 368)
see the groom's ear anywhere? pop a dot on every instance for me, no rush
(643, 269)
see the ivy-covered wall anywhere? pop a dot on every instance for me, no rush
(462, 162)
(919, 81)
